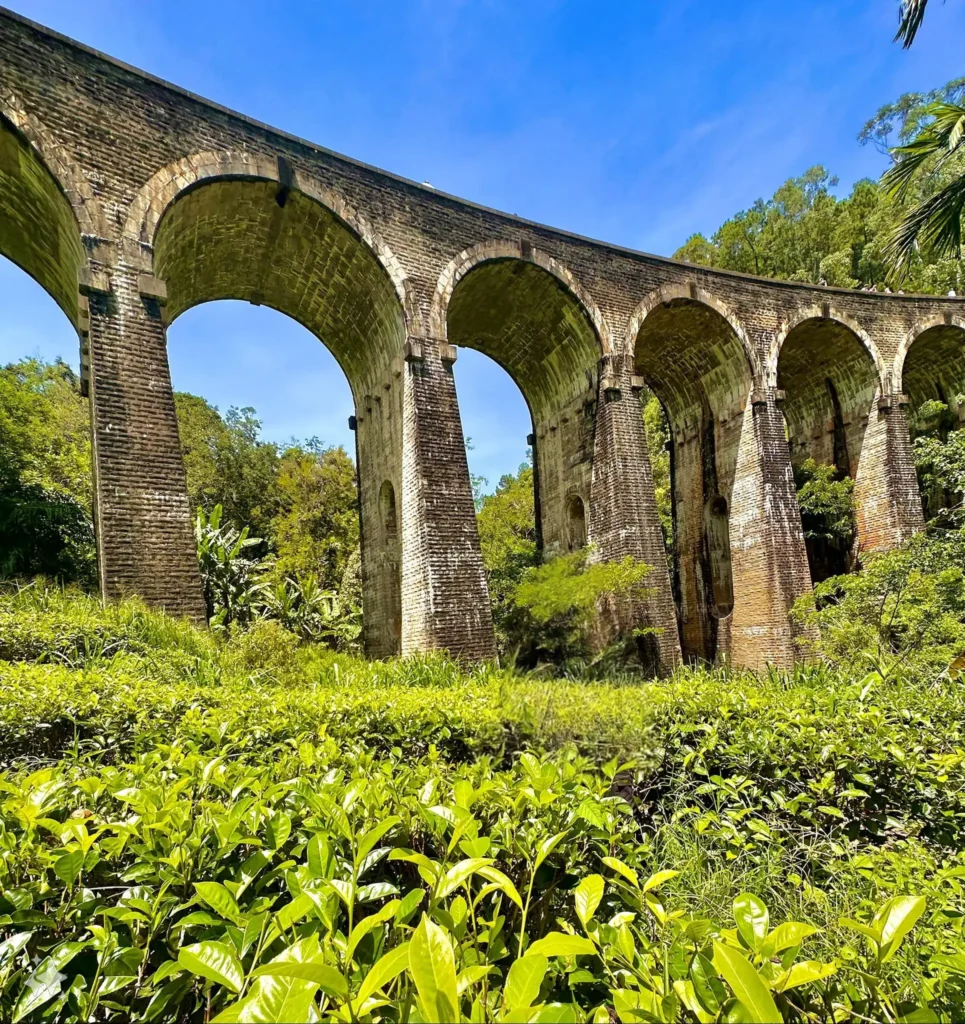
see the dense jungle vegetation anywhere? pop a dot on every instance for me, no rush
(250, 823)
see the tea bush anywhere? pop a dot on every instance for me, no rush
(252, 831)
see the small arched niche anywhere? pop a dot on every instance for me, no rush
(575, 523)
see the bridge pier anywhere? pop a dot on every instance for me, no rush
(769, 559)
(888, 507)
(445, 599)
(145, 537)
(623, 513)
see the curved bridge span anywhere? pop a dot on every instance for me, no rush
(130, 201)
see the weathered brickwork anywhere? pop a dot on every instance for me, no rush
(130, 201)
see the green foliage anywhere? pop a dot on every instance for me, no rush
(228, 464)
(275, 833)
(316, 529)
(506, 520)
(45, 474)
(826, 499)
(939, 453)
(228, 573)
(904, 612)
(311, 613)
(557, 603)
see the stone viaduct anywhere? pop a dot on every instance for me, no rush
(130, 201)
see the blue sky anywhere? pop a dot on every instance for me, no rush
(636, 122)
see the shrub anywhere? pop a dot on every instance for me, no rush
(905, 612)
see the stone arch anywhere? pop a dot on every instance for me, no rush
(825, 312)
(167, 184)
(930, 360)
(247, 236)
(472, 257)
(694, 355)
(61, 166)
(39, 227)
(239, 236)
(528, 313)
(670, 293)
(831, 373)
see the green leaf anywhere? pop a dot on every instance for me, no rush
(368, 841)
(953, 961)
(383, 971)
(523, 982)
(872, 933)
(785, 935)
(546, 847)
(496, 876)
(432, 965)
(802, 974)
(746, 984)
(277, 999)
(628, 873)
(658, 879)
(752, 919)
(894, 920)
(321, 974)
(367, 924)
(458, 874)
(214, 961)
(374, 891)
(219, 900)
(39, 988)
(556, 1013)
(710, 991)
(587, 897)
(561, 944)
(68, 866)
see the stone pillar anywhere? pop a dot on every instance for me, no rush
(887, 502)
(445, 599)
(378, 445)
(623, 516)
(768, 556)
(145, 536)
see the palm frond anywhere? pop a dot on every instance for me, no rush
(910, 14)
(941, 138)
(935, 223)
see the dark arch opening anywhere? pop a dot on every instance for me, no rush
(525, 319)
(933, 378)
(576, 523)
(693, 361)
(829, 380)
(243, 239)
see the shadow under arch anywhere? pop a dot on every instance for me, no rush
(249, 238)
(694, 356)
(930, 368)
(39, 228)
(830, 373)
(530, 316)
